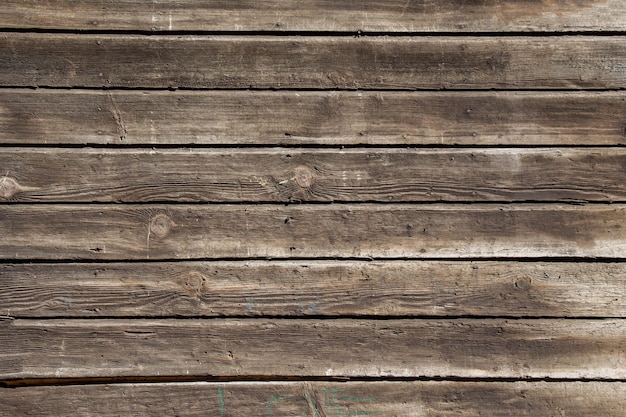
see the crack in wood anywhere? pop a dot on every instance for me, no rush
(117, 116)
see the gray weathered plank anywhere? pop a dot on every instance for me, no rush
(314, 288)
(316, 15)
(337, 230)
(99, 60)
(309, 117)
(423, 398)
(283, 175)
(491, 348)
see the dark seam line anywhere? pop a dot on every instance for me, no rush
(416, 89)
(543, 259)
(318, 317)
(313, 33)
(303, 203)
(13, 383)
(277, 90)
(297, 147)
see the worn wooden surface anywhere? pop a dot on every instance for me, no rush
(368, 231)
(473, 348)
(316, 15)
(283, 175)
(194, 192)
(433, 398)
(314, 288)
(330, 118)
(278, 62)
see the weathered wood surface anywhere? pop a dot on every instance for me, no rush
(316, 15)
(283, 175)
(68, 60)
(336, 230)
(491, 348)
(316, 399)
(314, 288)
(36, 117)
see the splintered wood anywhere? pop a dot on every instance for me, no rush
(321, 208)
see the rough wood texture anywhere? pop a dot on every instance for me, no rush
(314, 288)
(306, 348)
(283, 175)
(306, 117)
(66, 60)
(317, 399)
(338, 230)
(316, 15)
(389, 271)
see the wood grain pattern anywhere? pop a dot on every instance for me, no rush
(449, 278)
(314, 288)
(316, 15)
(283, 175)
(460, 399)
(67, 60)
(242, 231)
(309, 117)
(306, 348)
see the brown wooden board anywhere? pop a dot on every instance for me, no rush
(316, 15)
(279, 62)
(491, 348)
(337, 230)
(314, 288)
(250, 272)
(317, 399)
(283, 175)
(38, 117)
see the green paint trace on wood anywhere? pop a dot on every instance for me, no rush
(221, 395)
(346, 398)
(335, 404)
(273, 399)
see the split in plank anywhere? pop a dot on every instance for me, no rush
(316, 15)
(314, 288)
(423, 398)
(224, 62)
(35, 117)
(283, 175)
(491, 348)
(335, 230)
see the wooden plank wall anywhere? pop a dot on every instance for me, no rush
(313, 208)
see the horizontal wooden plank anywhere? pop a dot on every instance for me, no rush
(423, 398)
(283, 175)
(314, 288)
(68, 60)
(316, 15)
(336, 230)
(331, 348)
(309, 117)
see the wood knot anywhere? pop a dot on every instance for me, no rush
(523, 283)
(9, 187)
(304, 177)
(160, 226)
(194, 282)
